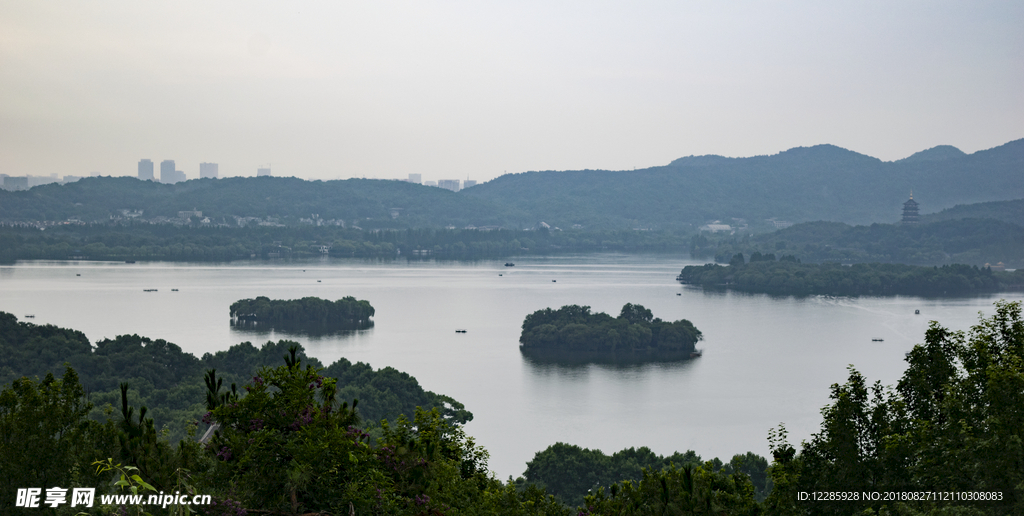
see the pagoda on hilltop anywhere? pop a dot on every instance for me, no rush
(910, 215)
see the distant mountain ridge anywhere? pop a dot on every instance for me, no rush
(821, 182)
(937, 153)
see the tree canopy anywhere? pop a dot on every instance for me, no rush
(573, 331)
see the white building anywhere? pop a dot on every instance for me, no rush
(468, 183)
(715, 228)
(448, 184)
(42, 180)
(261, 172)
(416, 178)
(208, 170)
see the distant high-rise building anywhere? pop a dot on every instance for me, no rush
(167, 169)
(416, 178)
(16, 183)
(146, 170)
(260, 172)
(42, 180)
(208, 170)
(448, 184)
(468, 183)
(910, 215)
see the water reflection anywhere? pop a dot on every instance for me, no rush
(342, 330)
(565, 361)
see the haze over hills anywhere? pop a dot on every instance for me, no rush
(823, 182)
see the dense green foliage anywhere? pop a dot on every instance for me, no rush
(970, 241)
(176, 243)
(306, 314)
(787, 277)
(570, 472)
(952, 425)
(168, 381)
(45, 438)
(572, 331)
(823, 182)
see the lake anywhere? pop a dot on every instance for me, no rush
(766, 359)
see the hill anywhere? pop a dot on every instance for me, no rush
(938, 153)
(823, 182)
(393, 204)
(967, 241)
(1004, 211)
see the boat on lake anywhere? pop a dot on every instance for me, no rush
(696, 353)
(509, 264)
(877, 340)
(460, 331)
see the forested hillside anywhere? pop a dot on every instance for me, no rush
(967, 241)
(169, 380)
(823, 182)
(1003, 211)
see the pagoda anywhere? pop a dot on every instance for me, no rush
(910, 210)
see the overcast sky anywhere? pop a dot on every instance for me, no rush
(382, 89)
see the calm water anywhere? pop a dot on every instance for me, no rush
(767, 360)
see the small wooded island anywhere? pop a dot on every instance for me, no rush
(762, 274)
(573, 333)
(309, 314)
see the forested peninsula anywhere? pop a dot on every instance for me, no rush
(762, 274)
(574, 333)
(169, 381)
(309, 314)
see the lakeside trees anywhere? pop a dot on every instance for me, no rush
(169, 381)
(137, 241)
(951, 427)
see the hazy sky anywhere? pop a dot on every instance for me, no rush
(472, 89)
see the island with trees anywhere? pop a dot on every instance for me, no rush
(787, 276)
(306, 315)
(574, 333)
